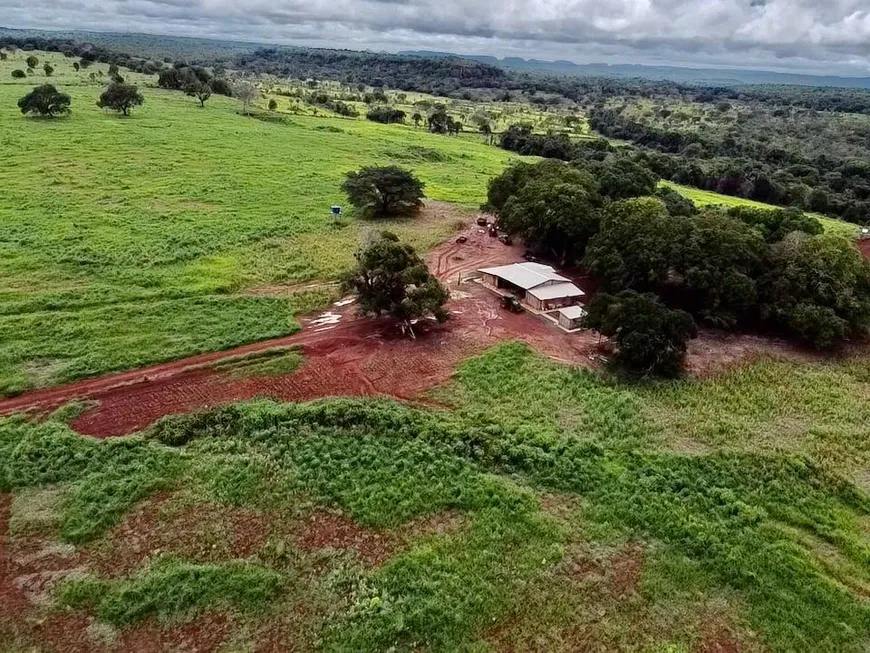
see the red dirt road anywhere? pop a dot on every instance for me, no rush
(344, 356)
(349, 356)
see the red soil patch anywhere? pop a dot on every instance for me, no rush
(331, 530)
(718, 638)
(864, 246)
(203, 635)
(626, 568)
(203, 532)
(349, 356)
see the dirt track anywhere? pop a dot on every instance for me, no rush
(344, 355)
(350, 356)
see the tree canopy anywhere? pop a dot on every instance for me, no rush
(46, 101)
(380, 192)
(120, 97)
(390, 278)
(650, 338)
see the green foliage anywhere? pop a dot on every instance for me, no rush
(45, 101)
(198, 89)
(18, 74)
(392, 279)
(48, 69)
(556, 210)
(383, 192)
(650, 338)
(32, 61)
(675, 202)
(120, 97)
(385, 115)
(172, 588)
(819, 288)
(273, 105)
(776, 224)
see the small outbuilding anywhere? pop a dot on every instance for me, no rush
(571, 317)
(536, 285)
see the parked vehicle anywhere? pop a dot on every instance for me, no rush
(511, 303)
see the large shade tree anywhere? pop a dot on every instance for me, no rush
(390, 278)
(120, 97)
(383, 192)
(46, 101)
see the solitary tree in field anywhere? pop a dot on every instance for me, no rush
(18, 74)
(46, 101)
(247, 93)
(113, 69)
(200, 90)
(273, 104)
(417, 118)
(3, 56)
(76, 66)
(381, 192)
(48, 69)
(486, 130)
(120, 97)
(31, 61)
(391, 279)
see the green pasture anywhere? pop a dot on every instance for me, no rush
(133, 240)
(594, 513)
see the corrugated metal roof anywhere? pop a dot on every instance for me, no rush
(556, 290)
(573, 312)
(525, 275)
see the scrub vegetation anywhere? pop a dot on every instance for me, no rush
(577, 515)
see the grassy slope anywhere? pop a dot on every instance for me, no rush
(127, 241)
(563, 495)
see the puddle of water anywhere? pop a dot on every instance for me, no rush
(328, 319)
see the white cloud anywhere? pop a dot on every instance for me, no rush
(825, 36)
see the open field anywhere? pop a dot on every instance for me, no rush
(128, 241)
(593, 514)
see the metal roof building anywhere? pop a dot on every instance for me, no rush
(538, 286)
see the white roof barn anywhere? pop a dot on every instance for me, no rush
(538, 285)
(525, 275)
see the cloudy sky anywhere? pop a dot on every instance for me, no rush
(819, 36)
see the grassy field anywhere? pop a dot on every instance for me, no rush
(599, 515)
(128, 241)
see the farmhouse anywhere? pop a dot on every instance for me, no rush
(537, 286)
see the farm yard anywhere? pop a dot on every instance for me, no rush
(203, 446)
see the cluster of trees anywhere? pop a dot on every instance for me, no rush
(384, 192)
(521, 139)
(440, 122)
(437, 75)
(195, 81)
(743, 268)
(386, 115)
(88, 53)
(817, 163)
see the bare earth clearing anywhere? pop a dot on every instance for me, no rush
(350, 356)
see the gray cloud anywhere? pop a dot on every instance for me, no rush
(822, 36)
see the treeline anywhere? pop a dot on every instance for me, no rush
(436, 75)
(739, 269)
(87, 52)
(778, 162)
(522, 140)
(846, 100)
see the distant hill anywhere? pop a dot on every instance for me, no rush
(715, 76)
